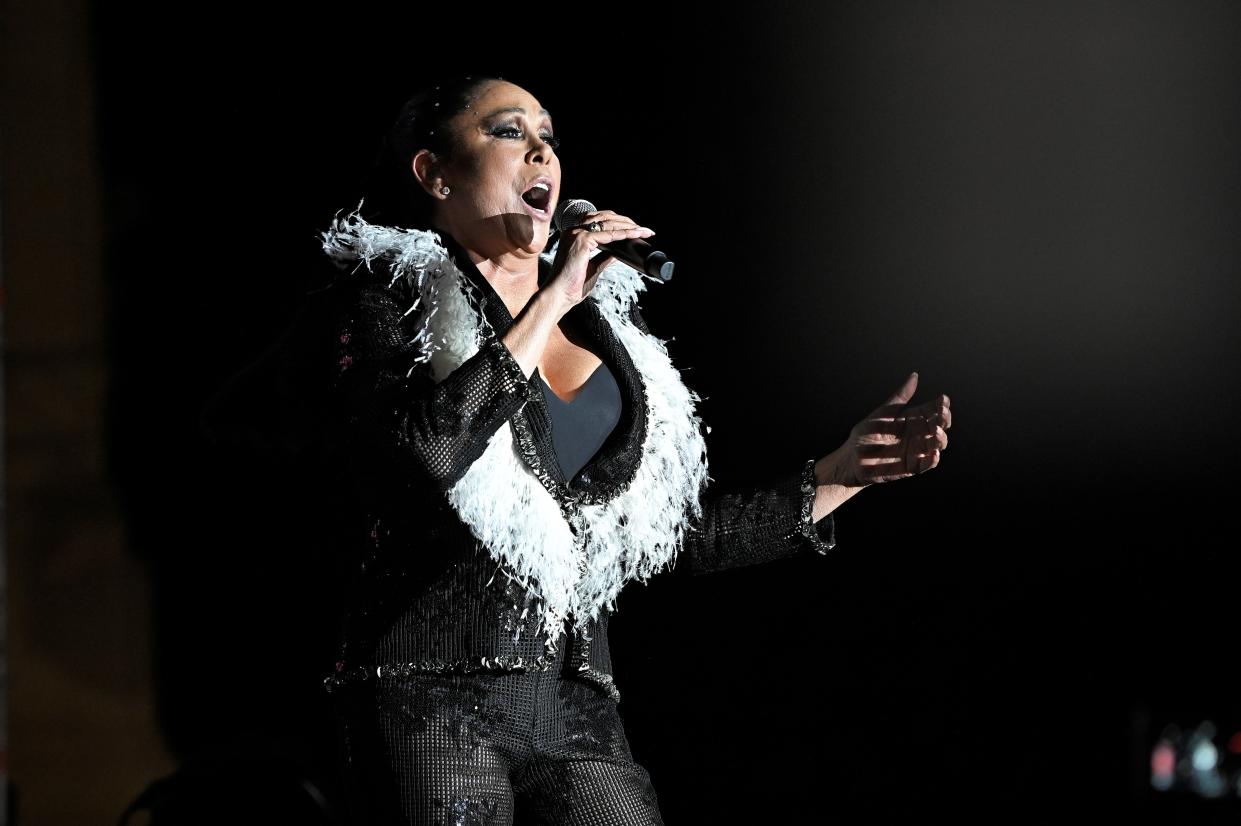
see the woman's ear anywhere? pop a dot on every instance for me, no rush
(426, 168)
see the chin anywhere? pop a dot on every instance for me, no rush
(524, 233)
(536, 240)
(539, 242)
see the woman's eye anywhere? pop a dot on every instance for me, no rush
(515, 133)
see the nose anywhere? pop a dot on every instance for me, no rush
(540, 151)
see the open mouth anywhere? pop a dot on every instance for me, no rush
(538, 196)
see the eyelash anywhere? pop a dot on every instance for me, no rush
(514, 132)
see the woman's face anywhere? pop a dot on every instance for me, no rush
(504, 175)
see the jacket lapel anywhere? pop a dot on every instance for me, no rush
(613, 466)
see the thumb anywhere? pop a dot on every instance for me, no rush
(900, 397)
(906, 392)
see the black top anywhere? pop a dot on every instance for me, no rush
(580, 426)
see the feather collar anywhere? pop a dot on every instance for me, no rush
(574, 553)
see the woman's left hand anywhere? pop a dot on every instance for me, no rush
(893, 442)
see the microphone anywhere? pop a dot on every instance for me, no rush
(633, 251)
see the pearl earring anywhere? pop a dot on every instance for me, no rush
(444, 190)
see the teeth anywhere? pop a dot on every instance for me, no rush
(538, 196)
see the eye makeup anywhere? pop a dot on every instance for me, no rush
(514, 132)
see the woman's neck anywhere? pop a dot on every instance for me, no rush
(515, 282)
(508, 270)
(513, 275)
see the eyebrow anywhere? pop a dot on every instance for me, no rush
(542, 112)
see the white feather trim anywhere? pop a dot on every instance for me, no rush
(508, 510)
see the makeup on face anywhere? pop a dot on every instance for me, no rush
(505, 162)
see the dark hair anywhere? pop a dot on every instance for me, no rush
(393, 196)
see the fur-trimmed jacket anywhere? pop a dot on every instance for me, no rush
(480, 556)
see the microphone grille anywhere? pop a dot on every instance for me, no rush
(569, 213)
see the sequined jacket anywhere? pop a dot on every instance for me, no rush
(426, 598)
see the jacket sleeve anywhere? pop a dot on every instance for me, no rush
(387, 402)
(754, 526)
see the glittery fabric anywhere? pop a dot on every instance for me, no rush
(439, 429)
(460, 710)
(531, 748)
(425, 597)
(754, 526)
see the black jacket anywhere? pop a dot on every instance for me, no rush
(426, 598)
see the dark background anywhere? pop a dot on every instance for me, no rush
(1035, 206)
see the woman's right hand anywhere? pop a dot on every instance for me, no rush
(574, 272)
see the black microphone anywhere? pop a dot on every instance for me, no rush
(633, 251)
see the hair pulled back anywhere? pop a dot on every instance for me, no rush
(394, 196)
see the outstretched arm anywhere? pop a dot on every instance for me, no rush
(892, 442)
(757, 525)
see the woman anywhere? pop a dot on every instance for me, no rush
(523, 447)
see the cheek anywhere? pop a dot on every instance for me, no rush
(496, 184)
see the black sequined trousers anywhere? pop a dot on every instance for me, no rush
(532, 748)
